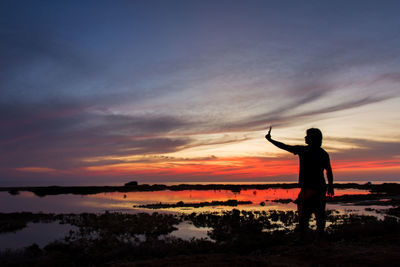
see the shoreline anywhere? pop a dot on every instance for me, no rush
(87, 190)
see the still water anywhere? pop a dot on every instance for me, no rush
(125, 202)
(38, 233)
(44, 233)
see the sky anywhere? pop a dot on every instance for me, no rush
(105, 92)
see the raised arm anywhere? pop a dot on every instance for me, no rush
(277, 143)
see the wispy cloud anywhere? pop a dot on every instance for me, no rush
(141, 87)
(364, 149)
(61, 134)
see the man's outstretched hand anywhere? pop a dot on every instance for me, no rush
(268, 136)
(331, 192)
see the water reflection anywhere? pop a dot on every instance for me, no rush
(39, 233)
(127, 200)
(187, 231)
(42, 233)
(117, 201)
(27, 201)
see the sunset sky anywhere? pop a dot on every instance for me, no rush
(105, 92)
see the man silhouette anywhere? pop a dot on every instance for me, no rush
(313, 161)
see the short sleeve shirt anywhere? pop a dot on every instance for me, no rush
(313, 162)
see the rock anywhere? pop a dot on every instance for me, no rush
(133, 183)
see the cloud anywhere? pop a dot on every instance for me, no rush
(61, 134)
(35, 169)
(67, 97)
(285, 115)
(364, 149)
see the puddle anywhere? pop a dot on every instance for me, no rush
(187, 231)
(39, 233)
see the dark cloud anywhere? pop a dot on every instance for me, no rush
(153, 159)
(364, 149)
(61, 134)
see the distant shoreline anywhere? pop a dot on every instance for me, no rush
(88, 190)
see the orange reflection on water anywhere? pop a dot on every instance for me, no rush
(195, 196)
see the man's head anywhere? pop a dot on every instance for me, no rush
(314, 137)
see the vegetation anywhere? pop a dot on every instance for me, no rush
(119, 239)
(255, 238)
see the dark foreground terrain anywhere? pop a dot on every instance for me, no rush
(238, 238)
(235, 238)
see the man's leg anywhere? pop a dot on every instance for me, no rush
(320, 213)
(303, 210)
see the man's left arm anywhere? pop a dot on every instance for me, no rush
(329, 175)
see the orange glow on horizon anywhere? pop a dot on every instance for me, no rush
(355, 166)
(214, 169)
(243, 167)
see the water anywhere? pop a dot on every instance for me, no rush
(187, 231)
(39, 233)
(43, 233)
(117, 201)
